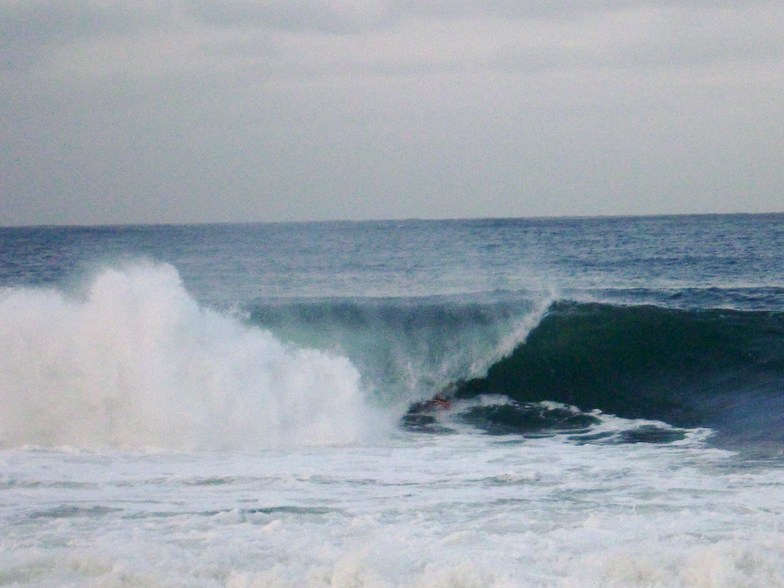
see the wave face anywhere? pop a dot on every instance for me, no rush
(407, 348)
(136, 362)
(717, 368)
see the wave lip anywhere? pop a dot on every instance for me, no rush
(138, 363)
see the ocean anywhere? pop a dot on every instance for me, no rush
(247, 405)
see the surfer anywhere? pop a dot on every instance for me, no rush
(438, 403)
(422, 415)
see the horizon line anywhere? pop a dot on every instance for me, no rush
(107, 225)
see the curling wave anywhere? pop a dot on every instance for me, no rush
(708, 367)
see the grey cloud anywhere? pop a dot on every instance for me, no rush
(31, 29)
(675, 50)
(670, 42)
(346, 18)
(207, 110)
(352, 17)
(544, 9)
(510, 9)
(695, 41)
(294, 15)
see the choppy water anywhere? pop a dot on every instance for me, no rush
(221, 405)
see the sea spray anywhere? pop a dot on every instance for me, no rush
(408, 349)
(136, 362)
(515, 337)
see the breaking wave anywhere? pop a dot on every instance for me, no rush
(408, 348)
(709, 367)
(136, 362)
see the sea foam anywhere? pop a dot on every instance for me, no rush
(136, 362)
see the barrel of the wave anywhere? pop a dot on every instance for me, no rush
(703, 367)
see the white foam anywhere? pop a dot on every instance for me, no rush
(417, 511)
(137, 362)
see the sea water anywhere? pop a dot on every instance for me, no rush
(225, 405)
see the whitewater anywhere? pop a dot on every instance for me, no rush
(139, 362)
(225, 405)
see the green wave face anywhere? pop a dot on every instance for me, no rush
(687, 367)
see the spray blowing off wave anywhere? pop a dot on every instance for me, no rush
(137, 363)
(408, 348)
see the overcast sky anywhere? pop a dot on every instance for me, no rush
(145, 111)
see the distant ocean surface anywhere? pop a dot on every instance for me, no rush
(226, 405)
